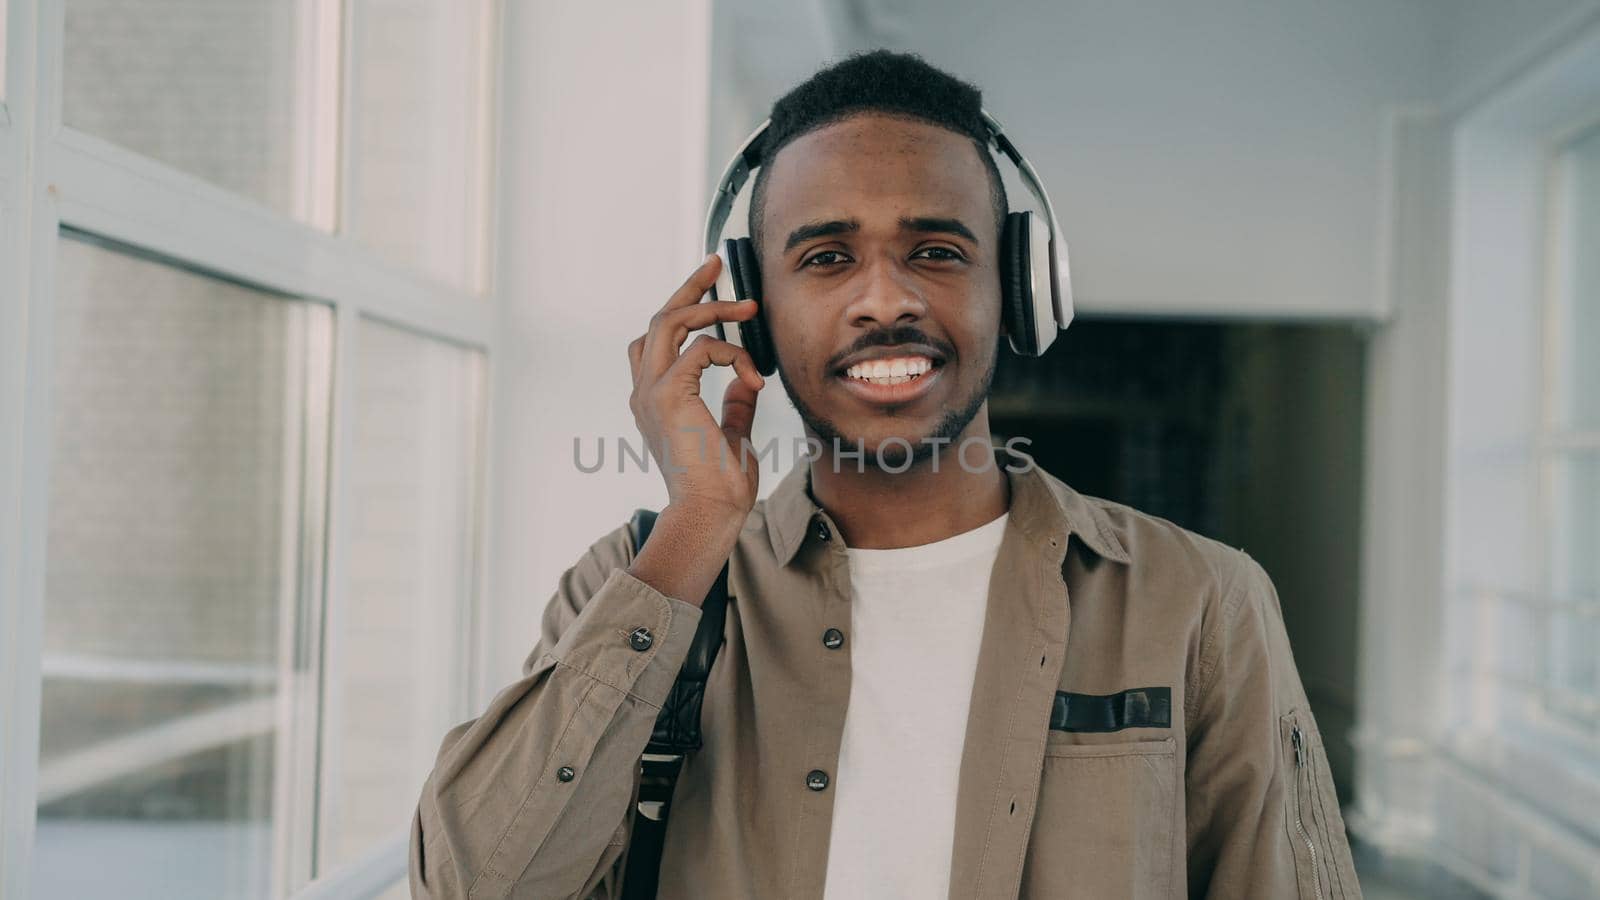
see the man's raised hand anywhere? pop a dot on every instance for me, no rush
(703, 461)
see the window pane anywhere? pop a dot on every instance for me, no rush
(180, 421)
(1575, 535)
(225, 90)
(1574, 661)
(416, 142)
(1581, 381)
(399, 675)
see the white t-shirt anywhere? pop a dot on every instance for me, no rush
(916, 621)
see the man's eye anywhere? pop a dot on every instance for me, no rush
(942, 254)
(830, 261)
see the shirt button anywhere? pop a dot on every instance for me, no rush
(822, 531)
(641, 639)
(833, 639)
(817, 780)
(565, 773)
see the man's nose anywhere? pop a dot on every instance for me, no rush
(886, 295)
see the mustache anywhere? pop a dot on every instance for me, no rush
(888, 337)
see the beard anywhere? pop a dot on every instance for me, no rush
(896, 457)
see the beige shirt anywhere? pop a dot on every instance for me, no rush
(1227, 795)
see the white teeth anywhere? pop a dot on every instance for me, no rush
(890, 371)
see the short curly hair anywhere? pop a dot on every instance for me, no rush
(881, 81)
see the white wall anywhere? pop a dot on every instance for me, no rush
(1487, 41)
(1224, 157)
(601, 193)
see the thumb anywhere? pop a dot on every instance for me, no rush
(738, 411)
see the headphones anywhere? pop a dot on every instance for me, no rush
(1035, 285)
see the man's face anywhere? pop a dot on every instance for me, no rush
(879, 272)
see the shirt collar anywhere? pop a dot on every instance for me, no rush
(1041, 506)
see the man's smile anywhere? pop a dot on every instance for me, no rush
(892, 374)
(890, 389)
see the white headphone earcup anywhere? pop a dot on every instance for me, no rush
(724, 291)
(1062, 292)
(1045, 320)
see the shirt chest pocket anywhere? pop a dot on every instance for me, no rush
(1106, 821)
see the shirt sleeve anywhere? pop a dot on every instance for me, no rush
(1263, 818)
(535, 796)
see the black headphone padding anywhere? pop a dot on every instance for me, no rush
(753, 333)
(1016, 287)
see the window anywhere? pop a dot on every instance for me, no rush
(1570, 448)
(1514, 788)
(398, 673)
(225, 90)
(183, 419)
(248, 451)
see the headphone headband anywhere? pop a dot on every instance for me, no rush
(747, 158)
(1030, 179)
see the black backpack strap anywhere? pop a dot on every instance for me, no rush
(676, 734)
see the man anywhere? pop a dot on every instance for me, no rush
(946, 673)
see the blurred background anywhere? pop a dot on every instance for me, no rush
(305, 303)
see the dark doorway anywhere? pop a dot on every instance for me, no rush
(1246, 432)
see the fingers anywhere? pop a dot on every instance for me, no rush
(696, 285)
(687, 294)
(635, 355)
(670, 328)
(706, 351)
(700, 315)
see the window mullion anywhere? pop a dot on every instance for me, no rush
(27, 267)
(324, 800)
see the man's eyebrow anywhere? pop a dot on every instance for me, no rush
(812, 230)
(934, 223)
(819, 229)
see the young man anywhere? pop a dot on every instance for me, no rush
(946, 673)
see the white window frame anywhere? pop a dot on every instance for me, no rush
(54, 178)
